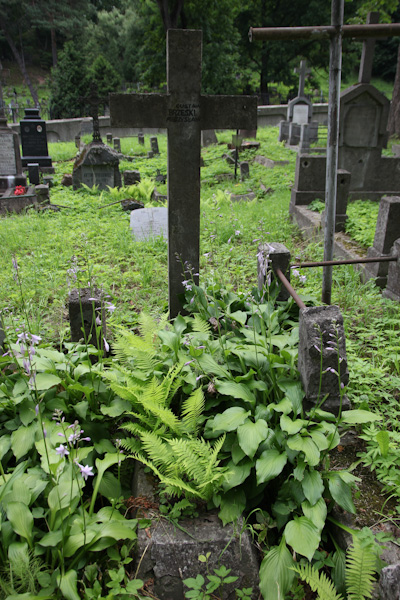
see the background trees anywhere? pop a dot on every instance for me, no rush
(125, 39)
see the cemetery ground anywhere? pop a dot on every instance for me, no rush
(64, 484)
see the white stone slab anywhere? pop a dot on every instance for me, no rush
(300, 113)
(150, 222)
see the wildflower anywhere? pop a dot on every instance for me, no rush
(106, 345)
(98, 320)
(62, 451)
(86, 471)
(26, 365)
(109, 307)
(35, 339)
(187, 285)
(189, 362)
(237, 232)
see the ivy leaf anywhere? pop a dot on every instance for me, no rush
(250, 435)
(353, 417)
(230, 419)
(276, 575)
(303, 536)
(340, 492)
(270, 465)
(313, 486)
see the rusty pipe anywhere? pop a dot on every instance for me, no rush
(289, 288)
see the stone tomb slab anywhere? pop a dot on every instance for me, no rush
(8, 163)
(97, 164)
(148, 223)
(16, 204)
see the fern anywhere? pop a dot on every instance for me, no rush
(360, 570)
(318, 582)
(192, 409)
(200, 325)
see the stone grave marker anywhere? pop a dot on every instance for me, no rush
(244, 170)
(185, 113)
(33, 173)
(10, 158)
(109, 138)
(154, 145)
(34, 140)
(208, 137)
(140, 138)
(147, 223)
(150, 154)
(117, 144)
(131, 177)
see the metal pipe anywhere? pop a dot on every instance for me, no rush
(350, 261)
(289, 288)
(380, 30)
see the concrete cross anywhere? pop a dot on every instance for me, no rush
(367, 56)
(303, 72)
(185, 112)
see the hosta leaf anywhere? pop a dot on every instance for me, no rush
(316, 513)
(250, 435)
(312, 485)
(270, 465)
(284, 406)
(303, 536)
(68, 585)
(232, 505)
(52, 538)
(235, 390)
(5, 445)
(294, 392)
(211, 367)
(382, 437)
(21, 519)
(340, 492)
(117, 530)
(45, 381)
(237, 474)
(109, 486)
(239, 316)
(306, 445)
(276, 575)
(291, 427)
(22, 440)
(358, 416)
(230, 419)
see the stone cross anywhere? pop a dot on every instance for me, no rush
(303, 72)
(94, 101)
(367, 56)
(185, 112)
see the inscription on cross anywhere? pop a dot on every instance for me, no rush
(185, 112)
(302, 71)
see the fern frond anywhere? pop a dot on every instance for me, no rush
(200, 325)
(318, 582)
(149, 327)
(192, 409)
(360, 570)
(130, 444)
(158, 450)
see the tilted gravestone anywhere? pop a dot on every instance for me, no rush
(185, 112)
(97, 164)
(386, 233)
(34, 140)
(147, 223)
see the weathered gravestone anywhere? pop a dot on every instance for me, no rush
(10, 159)
(34, 140)
(97, 164)
(147, 223)
(299, 114)
(208, 137)
(154, 145)
(185, 112)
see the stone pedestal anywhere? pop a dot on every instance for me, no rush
(392, 290)
(322, 347)
(131, 177)
(272, 256)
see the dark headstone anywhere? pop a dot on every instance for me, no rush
(131, 177)
(150, 154)
(244, 170)
(67, 179)
(392, 290)
(33, 173)
(117, 144)
(386, 233)
(34, 139)
(154, 145)
(97, 164)
(208, 137)
(109, 138)
(141, 139)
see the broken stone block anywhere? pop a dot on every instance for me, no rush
(322, 347)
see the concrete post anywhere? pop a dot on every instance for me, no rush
(322, 357)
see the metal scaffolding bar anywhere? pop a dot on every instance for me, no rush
(289, 288)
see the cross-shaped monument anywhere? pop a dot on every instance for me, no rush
(93, 100)
(302, 71)
(367, 55)
(185, 112)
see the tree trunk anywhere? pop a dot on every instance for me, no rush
(394, 113)
(53, 46)
(21, 64)
(170, 19)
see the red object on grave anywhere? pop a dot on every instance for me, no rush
(19, 190)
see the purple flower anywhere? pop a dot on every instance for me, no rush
(110, 307)
(37, 409)
(35, 338)
(26, 365)
(98, 320)
(106, 345)
(62, 451)
(86, 471)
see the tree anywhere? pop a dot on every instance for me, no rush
(12, 21)
(105, 76)
(69, 83)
